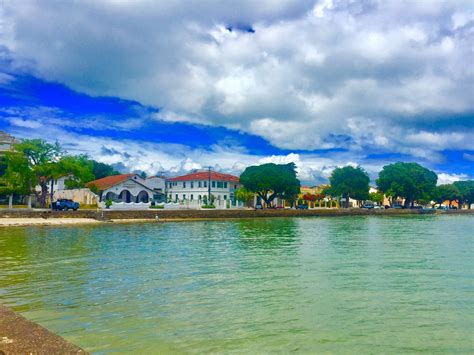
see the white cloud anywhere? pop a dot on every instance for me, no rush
(313, 75)
(444, 178)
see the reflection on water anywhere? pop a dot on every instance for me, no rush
(361, 284)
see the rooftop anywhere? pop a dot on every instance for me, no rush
(109, 181)
(204, 175)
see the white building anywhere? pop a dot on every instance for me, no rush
(127, 188)
(158, 185)
(195, 186)
(6, 142)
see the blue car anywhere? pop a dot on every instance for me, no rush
(64, 205)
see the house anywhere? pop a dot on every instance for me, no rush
(198, 185)
(128, 188)
(6, 142)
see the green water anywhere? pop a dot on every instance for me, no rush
(307, 285)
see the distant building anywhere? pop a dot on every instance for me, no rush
(6, 142)
(194, 186)
(128, 188)
(158, 185)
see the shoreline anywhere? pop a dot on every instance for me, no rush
(19, 335)
(22, 218)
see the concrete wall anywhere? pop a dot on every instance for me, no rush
(82, 196)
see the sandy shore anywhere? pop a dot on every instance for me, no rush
(18, 222)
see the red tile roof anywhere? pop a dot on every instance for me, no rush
(109, 181)
(204, 175)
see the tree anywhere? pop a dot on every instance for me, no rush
(410, 181)
(446, 192)
(245, 196)
(309, 197)
(17, 177)
(349, 182)
(466, 192)
(270, 180)
(143, 175)
(101, 170)
(77, 168)
(376, 197)
(42, 162)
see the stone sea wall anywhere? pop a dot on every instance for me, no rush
(213, 214)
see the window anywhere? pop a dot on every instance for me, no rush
(199, 184)
(184, 196)
(235, 186)
(205, 183)
(176, 198)
(213, 184)
(220, 184)
(192, 184)
(192, 197)
(184, 184)
(225, 185)
(225, 197)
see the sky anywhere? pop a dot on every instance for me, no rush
(171, 86)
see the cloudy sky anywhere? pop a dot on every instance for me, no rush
(177, 85)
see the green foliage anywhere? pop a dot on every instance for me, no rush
(243, 195)
(410, 181)
(18, 176)
(349, 182)
(94, 188)
(208, 206)
(158, 207)
(269, 181)
(466, 192)
(33, 162)
(376, 197)
(446, 192)
(108, 203)
(77, 168)
(101, 170)
(143, 175)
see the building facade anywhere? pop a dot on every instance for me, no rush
(197, 186)
(127, 188)
(6, 142)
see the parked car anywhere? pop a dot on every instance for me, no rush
(443, 208)
(398, 207)
(377, 207)
(65, 204)
(417, 207)
(258, 207)
(368, 206)
(302, 207)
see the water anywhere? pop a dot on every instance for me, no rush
(326, 285)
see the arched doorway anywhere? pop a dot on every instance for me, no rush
(110, 196)
(125, 196)
(142, 196)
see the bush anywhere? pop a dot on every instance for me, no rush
(108, 203)
(208, 206)
(159, 207)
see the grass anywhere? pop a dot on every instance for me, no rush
(14, 206)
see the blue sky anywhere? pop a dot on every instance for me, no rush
(169, 87)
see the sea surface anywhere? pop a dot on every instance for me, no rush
(367, 284)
